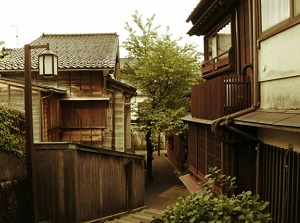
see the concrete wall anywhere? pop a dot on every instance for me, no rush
(279, 70)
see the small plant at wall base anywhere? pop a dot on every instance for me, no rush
(206, 206)
(12, 137)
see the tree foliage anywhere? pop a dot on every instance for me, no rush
(206, 206)
(12, 137)
(162, 70)
(1, 53)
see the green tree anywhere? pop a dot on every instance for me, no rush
(164, 71)
(1, 53)
(206, 206)
(12, 137)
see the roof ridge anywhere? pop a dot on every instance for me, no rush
(78, 34)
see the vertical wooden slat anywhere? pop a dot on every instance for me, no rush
(283, 165)
(220, 96)
(75, 185)
(297, 182)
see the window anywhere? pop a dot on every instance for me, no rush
(83, 114)
(218, 49)
(274, 12)
(296, 7)
(220, 41)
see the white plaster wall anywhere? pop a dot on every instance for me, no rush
(281, 93)
(280, 139)
(279, 70)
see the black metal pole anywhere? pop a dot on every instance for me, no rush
(29, 128)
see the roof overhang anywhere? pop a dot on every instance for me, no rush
(85, 99)
(189, 118)
(288, 120)
(43, 88)
(207, 14)
(121, 86)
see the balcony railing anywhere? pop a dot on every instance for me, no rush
(220, 96)
(216, 65)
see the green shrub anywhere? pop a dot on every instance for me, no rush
(12, 137)
(207, 207)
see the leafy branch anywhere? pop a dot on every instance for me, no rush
(206, 206)
(12, 137)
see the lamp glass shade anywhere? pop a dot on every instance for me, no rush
(48, 63)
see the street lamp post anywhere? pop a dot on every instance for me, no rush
(47, 66)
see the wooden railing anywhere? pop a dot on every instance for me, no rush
(76, 183)
(218, 64)
(220, 96)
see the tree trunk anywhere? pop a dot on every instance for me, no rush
(158, 144)
(149, 156)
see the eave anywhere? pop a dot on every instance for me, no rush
(207, 14)
(42, 88)
(121, 86)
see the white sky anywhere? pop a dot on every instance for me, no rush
(29, 19)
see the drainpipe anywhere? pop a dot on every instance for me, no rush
(215, 126)
(113, 141)
(252, 5)
(255, 79)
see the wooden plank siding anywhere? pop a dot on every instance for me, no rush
(80, 108)
(77, 83)
(51, 120)
(206, 150)
(13, 94)
(220, 96)
(75, 183)
(176, 145)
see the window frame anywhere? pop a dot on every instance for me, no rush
(279, 27)
(216, 69)
(214, 32)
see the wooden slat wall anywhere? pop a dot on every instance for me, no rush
(77, 184)
(204, 150)
(176, 149)
(51, 120)
(279, 182)
(220, 96)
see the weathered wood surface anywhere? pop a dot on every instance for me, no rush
(74, 183)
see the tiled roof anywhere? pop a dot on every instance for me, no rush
(74, 51)
(207, 13)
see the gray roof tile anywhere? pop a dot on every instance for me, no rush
(74, 51)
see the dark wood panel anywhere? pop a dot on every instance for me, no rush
(76, 184)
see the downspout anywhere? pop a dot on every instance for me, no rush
(113, 135)
(226, 120)
(255, 77)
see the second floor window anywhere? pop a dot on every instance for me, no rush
(275, 12)
(297, 7)
(220, 41)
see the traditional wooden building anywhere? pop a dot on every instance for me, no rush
(85, 103)
(245, 117)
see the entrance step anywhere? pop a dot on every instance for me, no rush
(144, 216)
